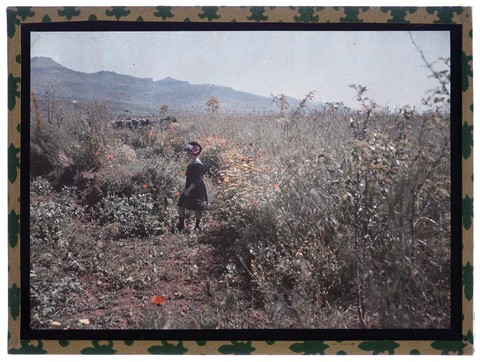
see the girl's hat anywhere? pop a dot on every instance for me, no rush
(194, 148)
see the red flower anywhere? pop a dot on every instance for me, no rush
(177, 194)
(110, 157)
(158, 300)
(145, 185)
(277, 187)
(250, 144)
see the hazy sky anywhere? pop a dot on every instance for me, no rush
(262, 63)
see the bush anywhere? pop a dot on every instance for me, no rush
(40, 186)
(134, 215)
(49, 217)
(353, 212)
(395, 179)
(69, 142)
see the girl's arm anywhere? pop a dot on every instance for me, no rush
(191, 187)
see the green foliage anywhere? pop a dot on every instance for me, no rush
(69, 141)
(212, 105)
(48, 217)
(40, 186)
(134, 215)
(393, 179)
(325, 218)
(281, 102)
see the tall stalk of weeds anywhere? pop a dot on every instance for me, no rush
(389, 187)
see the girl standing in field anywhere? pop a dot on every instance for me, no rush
(194, 196)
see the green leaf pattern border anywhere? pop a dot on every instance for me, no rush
(244, 14)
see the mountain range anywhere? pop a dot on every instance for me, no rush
(124, 94)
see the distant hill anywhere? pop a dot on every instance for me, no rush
(140, 96)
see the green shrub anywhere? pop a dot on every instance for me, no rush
(49, 218)
(395, 179)
(353, 212)
(134, 215)
(40, 186)
(70, 142)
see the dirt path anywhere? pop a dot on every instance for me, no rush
(109, 284)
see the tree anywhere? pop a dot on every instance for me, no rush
(212, 105)
(281, 102)
(164, 110)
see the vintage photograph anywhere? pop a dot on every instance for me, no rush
(283, 179)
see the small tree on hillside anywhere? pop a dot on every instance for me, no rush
(212, 105)
(281, 102)
(164, 110)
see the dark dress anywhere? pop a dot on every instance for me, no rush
(197, 199)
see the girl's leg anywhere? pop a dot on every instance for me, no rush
(198, 217)
(181, 218)
(181, 212)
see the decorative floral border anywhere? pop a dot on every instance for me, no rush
(245, 14)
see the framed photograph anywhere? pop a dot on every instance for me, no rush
(240, 180)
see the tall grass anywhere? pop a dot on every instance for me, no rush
(329, 218)
(338, 209)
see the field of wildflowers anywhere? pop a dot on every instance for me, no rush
(318, 218)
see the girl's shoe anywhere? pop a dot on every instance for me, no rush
(179, 228)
